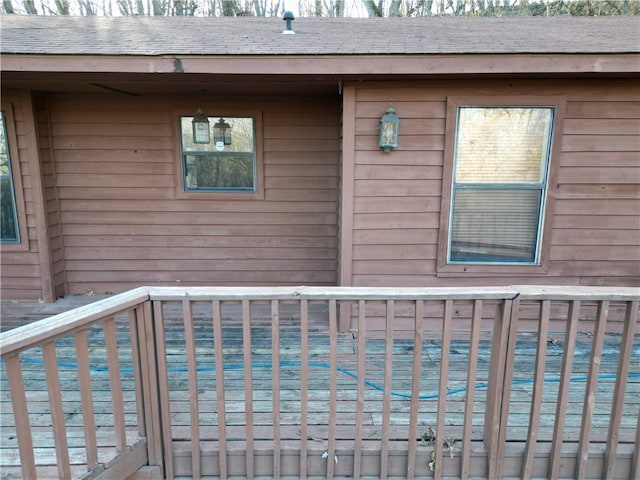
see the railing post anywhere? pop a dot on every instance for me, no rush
(147, 366)
(498, 390)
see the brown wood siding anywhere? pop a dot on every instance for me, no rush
(595, 239)
(117, 175)
(22, 275)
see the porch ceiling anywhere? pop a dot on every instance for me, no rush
(137, 84)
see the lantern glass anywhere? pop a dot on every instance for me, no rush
(222, 132)
(200, 123)
(389, 125)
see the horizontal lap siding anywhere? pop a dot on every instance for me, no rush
(20, 271)
(596, 234)
(117, 169)
(596, 227)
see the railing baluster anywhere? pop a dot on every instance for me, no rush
(20, 416)
(248, 385)
(192, 380)
(445, 347)
(565, 385)
(86, 398)
(135, 363)
(476, 325)
(163, 390)
(333, 363)
(275, 361)
(624, 361)
(357, 448)
(304, 386)
(415, 389)
(386, 398)
(590, 391)
(113, 361)
(220, 401)
(538, 386)
(57, 414)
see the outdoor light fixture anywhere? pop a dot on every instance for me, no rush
(221, 134)
(389, 124)
(200, 125)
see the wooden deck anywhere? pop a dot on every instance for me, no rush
(356, 409)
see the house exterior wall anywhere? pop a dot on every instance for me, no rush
(115, 183)
(52, 205)
(593, 226)
(25, 266)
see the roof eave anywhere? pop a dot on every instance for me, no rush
(432, 64)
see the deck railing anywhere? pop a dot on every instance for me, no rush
(329, 382)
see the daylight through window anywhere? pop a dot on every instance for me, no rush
(501, 161)
(8, 217)
(220, 166)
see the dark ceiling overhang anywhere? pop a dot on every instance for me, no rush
(319, 75)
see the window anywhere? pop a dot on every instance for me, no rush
(10, 232)
(225, 164)
(499, 178)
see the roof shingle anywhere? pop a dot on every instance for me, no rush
(150, 36)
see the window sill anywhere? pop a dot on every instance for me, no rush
(22, 246)
(474, 270)
(222, 195)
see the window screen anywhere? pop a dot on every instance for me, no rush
(499, 182)
(219, 167)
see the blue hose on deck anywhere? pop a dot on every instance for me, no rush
(478, 386)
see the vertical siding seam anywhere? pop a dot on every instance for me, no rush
(42, 233)
(56, 199)
(347, 187)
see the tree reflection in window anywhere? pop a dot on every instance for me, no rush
(207, 167)
(8, 218)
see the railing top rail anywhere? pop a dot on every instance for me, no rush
(26, 336)
(38, 332)
(327, 293)
(573, 292)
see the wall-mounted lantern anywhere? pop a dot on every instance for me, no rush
(221, 134)
(200, 125)
(389, 124)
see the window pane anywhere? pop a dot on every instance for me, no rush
(222, 167)
(8, 218)
(219, 171)
(502, 145)
(492, 225)
(241, 135)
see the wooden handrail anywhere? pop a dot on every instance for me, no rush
(328, 293)
(27, 336)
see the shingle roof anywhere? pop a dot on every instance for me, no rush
(317, 36)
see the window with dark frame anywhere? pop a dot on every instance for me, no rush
(499, 181)
(220, 166)
(10, 231)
